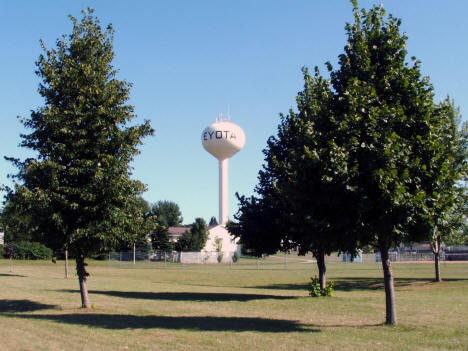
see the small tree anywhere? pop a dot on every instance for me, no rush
(184, 243)
(160, 239)
(443, 210)
(166, 214)
(218, 246)
(195, 239)
(78, 190)
(213, 221)
(17, 225)
(199, 234)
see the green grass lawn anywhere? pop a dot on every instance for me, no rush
(246, 306)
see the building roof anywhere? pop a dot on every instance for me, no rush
(177, 231)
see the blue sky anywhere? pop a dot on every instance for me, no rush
(189, 60)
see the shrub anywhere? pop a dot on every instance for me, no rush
(220, 257)
(102, 256)
(8, 251)
(235, 257)
(26, 250)
(315, 291)
(2, 251)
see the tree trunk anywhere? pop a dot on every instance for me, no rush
(322, 268)
(437, 266)
(66, 264)
(435, 245)
(82, 275)
(391, 317)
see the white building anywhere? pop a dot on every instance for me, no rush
(227, 243)
(218, 239)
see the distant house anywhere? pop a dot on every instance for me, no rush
(229, 245)
(176, 232)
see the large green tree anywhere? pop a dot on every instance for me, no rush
(302, 199)
(78, 190)
(386, 110)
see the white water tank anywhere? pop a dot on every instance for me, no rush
(223, 140)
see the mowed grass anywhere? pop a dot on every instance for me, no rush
(246, 306)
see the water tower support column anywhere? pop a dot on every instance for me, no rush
(223, 191)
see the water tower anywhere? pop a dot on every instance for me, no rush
(223, 139)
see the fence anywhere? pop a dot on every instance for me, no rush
(160, 259)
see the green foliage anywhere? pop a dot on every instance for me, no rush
(195, 239)
(368, 159)
(443, 210)
(213, 221)
(220, 257)
(218, 244)
(235, 257)
(160, 239)
(77, 190)
(2, 251)
(385, 109)
(184, 243)
(315, 291)
(303, 197)
(167, 213)
(16, 224)
(25, 250)
(8, 251)
(143, 205)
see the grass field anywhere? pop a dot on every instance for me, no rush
(218, 307)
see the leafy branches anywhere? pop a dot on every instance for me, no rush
(78, 190)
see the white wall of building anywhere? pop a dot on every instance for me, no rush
(229, 243)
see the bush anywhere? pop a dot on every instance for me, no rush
(220, 257)
(101, 256)
(315, 291)
(235, 257)
(26, 250)
(2, 251)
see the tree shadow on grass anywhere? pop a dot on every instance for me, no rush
(282, 287)
(187, 296)
(12, 275)
(199, 323)
(342, 284)
(23, 306)
(358, 283)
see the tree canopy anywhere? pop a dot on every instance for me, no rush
(443, 211)
(195, 239)
(368, 159)
(168, 213)
(78, 189)
(303, 200)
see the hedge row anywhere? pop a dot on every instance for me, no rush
(25, 250)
